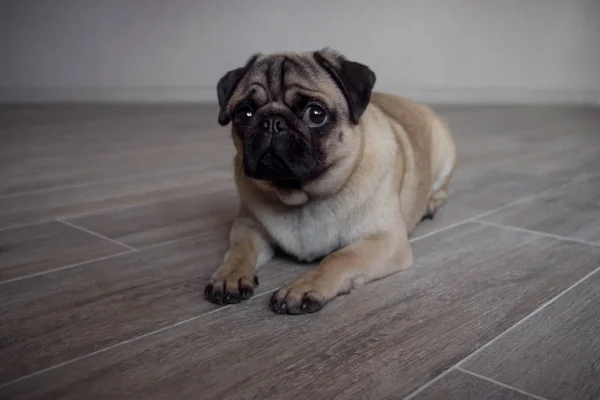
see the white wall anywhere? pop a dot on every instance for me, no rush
(434, 50)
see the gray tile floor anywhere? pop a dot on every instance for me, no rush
(112, 218)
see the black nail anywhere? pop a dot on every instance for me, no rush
(311, 305)
(233, 298)
(218, 296)
(246, 292)
(276, 306)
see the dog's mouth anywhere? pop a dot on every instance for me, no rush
(275, 169)
(271, 161)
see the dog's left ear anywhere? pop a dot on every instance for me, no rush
(227, 85)
(355, 80)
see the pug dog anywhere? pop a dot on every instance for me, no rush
(325, 169)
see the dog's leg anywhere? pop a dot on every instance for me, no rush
(429, 214)
(365, 260)
(235, 279)
(445, 161)
(435, 201)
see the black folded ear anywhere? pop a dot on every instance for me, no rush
(227, 85)
(355, 80)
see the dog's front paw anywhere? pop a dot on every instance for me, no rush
(304, 295)
(230, 288)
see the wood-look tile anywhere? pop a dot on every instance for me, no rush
(14, 116)
(51, 318)
(573, 211)
(554, 354)
(159, 221)
(48, 156)
(388, 338)
(458, 385)
(41, 206)
(38, 248)
(477, 190)
(565, 145)
(506, 119)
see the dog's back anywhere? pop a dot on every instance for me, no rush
(426, 169)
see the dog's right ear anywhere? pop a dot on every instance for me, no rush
(227, 85)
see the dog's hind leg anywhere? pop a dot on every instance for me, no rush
(444, 163)
(435, 201)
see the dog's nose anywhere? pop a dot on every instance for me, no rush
(274, 124)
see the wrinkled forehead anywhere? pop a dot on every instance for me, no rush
(285, 77)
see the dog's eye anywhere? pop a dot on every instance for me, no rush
(315, 115)
(243, 115)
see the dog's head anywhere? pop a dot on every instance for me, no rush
(292, 113)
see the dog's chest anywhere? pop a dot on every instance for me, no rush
(308, 232)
